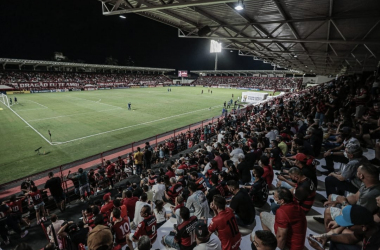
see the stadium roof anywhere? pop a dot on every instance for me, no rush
(36, 63)
(323, 37)
(245, 72)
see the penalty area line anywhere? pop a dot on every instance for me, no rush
(144, 123)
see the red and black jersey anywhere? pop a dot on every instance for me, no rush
(91, 220)
(201, 184)
(210, 172)
(304, 193)
(37, 197)
(16, 206)
(110, 170)
(193, 167)
(185, 235)
(121, 229)
(147, 227)
(152, 180)
(174, 191)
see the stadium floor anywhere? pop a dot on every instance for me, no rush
(37, 239)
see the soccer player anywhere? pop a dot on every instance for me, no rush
(16, 100)
(129, 106)
(10, 101)
(202, 91)
(224, 222)
(147, 227)
(120, 229)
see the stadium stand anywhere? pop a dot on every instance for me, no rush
(283, 83)
(281, 145)
(54, 80)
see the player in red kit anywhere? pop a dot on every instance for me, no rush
(120, 229)
(224, 222)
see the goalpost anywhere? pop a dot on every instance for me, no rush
(4, 100)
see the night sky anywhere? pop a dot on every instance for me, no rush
(35, 29)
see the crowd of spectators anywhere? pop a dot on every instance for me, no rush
(16, 77)
(251, 82)
(288, 135)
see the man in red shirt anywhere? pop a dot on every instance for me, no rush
(289, 224)
(16, 207)
(199, 180)
(110, 171)
(224, 222)
(147, 227)
(268, 170)
(184, 238)
(120, 229)
(108, 205)
(39, 204)
(130, 203)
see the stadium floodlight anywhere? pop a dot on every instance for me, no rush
(240, 5)
(123, 17)
(215, 47)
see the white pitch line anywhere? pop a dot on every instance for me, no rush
(35, 130)
(49, 118)
(144, 123)
(38, 104)
(96, 102)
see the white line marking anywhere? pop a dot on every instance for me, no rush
(35, 130)
(144, 123)
(38, 104)
(49, 118)
(97, 102)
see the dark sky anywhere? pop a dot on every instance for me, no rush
(35, 29)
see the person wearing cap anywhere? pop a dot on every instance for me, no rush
(337, 154)
(225, 224)
(204, 240)
(108, 204)
(346, 179)
(289, 224)
(366, 195)
(358, 220)
(263, 240)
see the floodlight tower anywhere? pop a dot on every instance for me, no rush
(215, 47)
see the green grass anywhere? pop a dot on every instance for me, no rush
(71, 116)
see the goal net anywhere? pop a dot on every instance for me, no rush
(4, 100)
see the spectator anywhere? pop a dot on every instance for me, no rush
(289, 223)
(146, 227)
(82, 178)
(204, 240)
(215, 189)
(263, 240)
(199, 180)
(120, 229)
(347, 179)
(144, 243)
(243, 169)
(174, 190)
(160, 213)
(268, 170)
(39, 205)
(259, 189)
(147, 158)
(138, 156)
(225, 224)
(100, 238)
(110, 172)
(130, 202)
(158, 190)
(54, 185)
(242, 205)
(282, 145)
(139, 205)
(108, 205)
(197, 202)
(184, 233)
(75, 234)
(53, 229)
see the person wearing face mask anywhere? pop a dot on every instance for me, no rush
(289, 224)
(346, 179)
(263, 240)
(336, 154)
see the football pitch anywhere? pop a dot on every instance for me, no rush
(90, 122)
